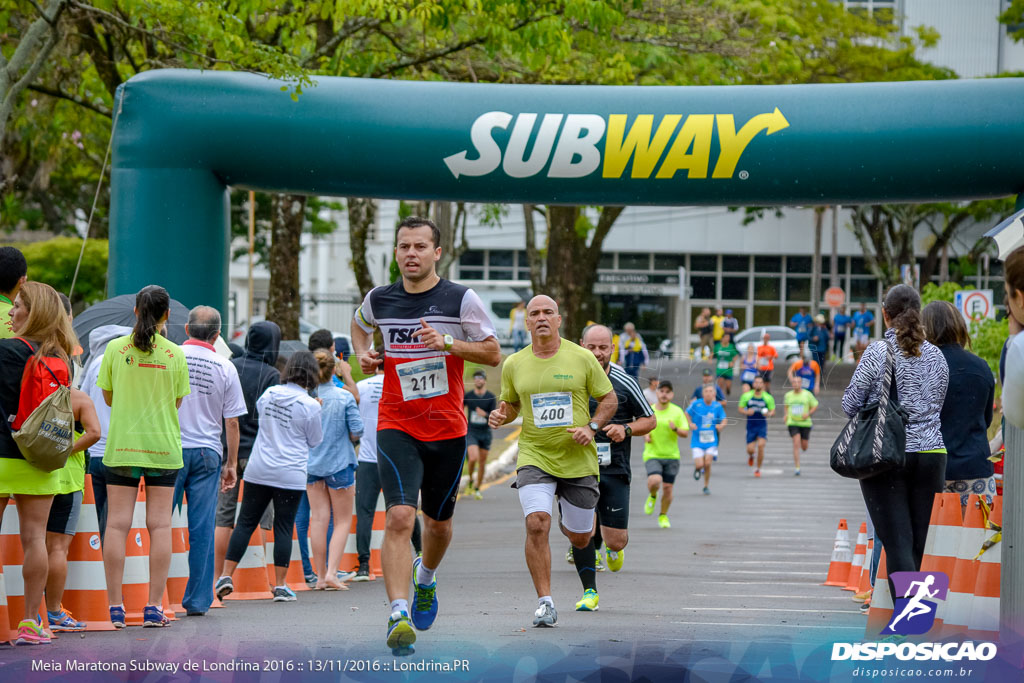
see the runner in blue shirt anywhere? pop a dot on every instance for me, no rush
(708, 379)
(863, 321)
(801, 322)
(707, 417)
(840, 323)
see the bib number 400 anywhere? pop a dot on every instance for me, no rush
(552, 414)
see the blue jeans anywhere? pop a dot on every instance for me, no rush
(302, 531)
(519, 339)
(199, 479)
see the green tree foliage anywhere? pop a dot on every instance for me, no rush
(53, 262)
(987, 339)
(944, 292)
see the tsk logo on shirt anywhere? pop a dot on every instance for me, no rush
(579, 146)
(914, 612)
(402, 335)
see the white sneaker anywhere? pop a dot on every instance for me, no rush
(545, 616)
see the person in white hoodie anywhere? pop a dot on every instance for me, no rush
(289, 426)
(98, 340)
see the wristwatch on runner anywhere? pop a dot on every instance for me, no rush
(629, 431)
(448, 341)
(593, 427)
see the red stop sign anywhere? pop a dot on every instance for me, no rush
(835, 297)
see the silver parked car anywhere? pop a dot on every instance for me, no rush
(782, 338)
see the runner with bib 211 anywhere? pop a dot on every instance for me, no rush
(430, 326)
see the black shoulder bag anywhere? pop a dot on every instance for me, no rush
(875, 439)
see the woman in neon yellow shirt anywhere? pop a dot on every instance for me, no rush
(143, 377)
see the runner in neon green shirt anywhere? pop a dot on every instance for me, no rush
(550, 383)
(725, 355)
(800, 405)
(661, 452)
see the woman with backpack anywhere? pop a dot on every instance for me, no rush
(143, 377)
(44, 341)
(289, 428)
(900, 501)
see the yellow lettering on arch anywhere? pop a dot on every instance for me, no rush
(637, 143)
(733, 143)
(695, 133)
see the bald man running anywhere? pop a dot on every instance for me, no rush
(550, 383)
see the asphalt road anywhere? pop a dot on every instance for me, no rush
(741, 566)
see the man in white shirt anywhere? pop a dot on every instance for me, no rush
(216, 396)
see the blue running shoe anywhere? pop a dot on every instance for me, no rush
(61, 621)
(424, 602)
(401, 634)
(153, 617)
(117, 616)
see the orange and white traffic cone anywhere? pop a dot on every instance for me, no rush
(85, 590)
(863, 592)
(943, 543)
(350, 560)
(956, 612)
(839, 565)
(859, 561)
(984, 620)
(880, 613)
(7, 632)
(177, 575)
(250, 576)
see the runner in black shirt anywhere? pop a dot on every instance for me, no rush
(633, 417)
(480, 403)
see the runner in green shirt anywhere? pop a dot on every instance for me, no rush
(800, 405)
(726, 354)
(550, 383)
(661, 452)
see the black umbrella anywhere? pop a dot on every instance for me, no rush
(120, 311)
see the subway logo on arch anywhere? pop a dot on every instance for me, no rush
(577, 145)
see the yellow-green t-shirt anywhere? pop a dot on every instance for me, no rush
(559, 388)
(6, 324)
(72, 475)
(144, 430)
(799, 408)
(664, 443)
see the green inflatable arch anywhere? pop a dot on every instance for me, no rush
(182, 137)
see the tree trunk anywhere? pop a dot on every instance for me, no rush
(453, 234)
(362, 214)
(284, 303)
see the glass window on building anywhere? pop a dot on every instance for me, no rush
(863, 289)
(471, 265)
(767, 288)
(522, 266)
(703, 263)
(734, 287)
(798, 288)
(703, 286)
(767, 264)
(607, 262)
(634, 261)
(669, 261)
(859, 266)
(500, 263)
(765, 315)
(735, 264)
(798, 264)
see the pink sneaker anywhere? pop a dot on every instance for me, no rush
(31, 633)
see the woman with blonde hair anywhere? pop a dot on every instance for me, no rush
(43, 335)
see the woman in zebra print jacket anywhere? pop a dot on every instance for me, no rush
(900, 501)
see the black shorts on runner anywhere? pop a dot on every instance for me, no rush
(667, 468)
(64, 512)
(767, 375)
(481, 439)
(613, 506)
(804, 432)
(411, 469)
(130, 476)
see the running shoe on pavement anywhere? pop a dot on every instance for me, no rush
(614, 559)
(589, 601)
(707, 491)
(598, 564)
(478, 494)
(30, 632)
(750, 461)
(401, 634)
(545, 616)
(697, 473)
(225, 587)
(284, 594)
(363, 573)
(117, 616)
(796, 472)
(865, 607)
(61, 621)
(311, 580)
(345, 576)
(757, 473)
(862, 597)
(568, 556)
(649, 505)
(663, 521)
(153, 617)
(424, 601)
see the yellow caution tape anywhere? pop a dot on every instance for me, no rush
(996, 457)
(989, 543)
(988, 524)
